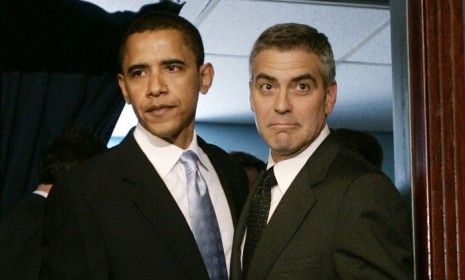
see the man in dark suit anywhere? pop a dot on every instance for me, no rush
(320, 211)
(21, 229)
(131, 213)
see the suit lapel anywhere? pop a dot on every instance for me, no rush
(225, 180)
(152, 197)
(295, 205)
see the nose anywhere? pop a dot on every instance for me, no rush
(282, 103)
(157, 85)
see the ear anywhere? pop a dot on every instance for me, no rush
(331, 96)
(252, 107)
(206, 77)
(122, 86)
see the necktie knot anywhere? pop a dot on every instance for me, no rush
(189, 160)
(269, 179)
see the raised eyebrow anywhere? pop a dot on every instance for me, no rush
(265, 77)
(304, 77)
(137, 67)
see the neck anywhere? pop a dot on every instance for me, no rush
(184, 138)
(44, 187)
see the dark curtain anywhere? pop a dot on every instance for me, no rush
(58, 62)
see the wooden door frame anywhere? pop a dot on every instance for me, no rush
(437, 120)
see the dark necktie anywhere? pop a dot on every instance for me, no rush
(203, 219)
(258, 216)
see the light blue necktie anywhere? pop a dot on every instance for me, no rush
(203, 219)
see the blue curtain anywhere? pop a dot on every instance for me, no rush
(58, 62)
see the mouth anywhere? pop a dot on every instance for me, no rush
(159, 110)
(282, 126)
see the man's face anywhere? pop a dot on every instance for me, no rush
(162, 82)
(289, 100)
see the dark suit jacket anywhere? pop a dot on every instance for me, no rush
(341, 218)
(114, 218)
(20, 233)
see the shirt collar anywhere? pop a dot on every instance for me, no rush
(286, 170)
(162, 154)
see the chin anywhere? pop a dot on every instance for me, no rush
(282, 146)
(281, 150)
(160, 132)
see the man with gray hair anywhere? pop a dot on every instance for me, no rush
(320, 210)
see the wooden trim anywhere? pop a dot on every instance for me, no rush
(436, 57)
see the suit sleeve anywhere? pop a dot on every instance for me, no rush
(20, 234)
(71, 245)
(374, 239)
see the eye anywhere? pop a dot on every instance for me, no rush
(302, 87)
(172, 67)
(266, 87)
(137, 73)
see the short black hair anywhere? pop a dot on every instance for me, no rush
(72, 146)
(248, 160)
(162, 20)
(362, 143)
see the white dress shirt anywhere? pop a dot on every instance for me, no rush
(41, 193)
(165, 159)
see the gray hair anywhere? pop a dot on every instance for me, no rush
(291, 36)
